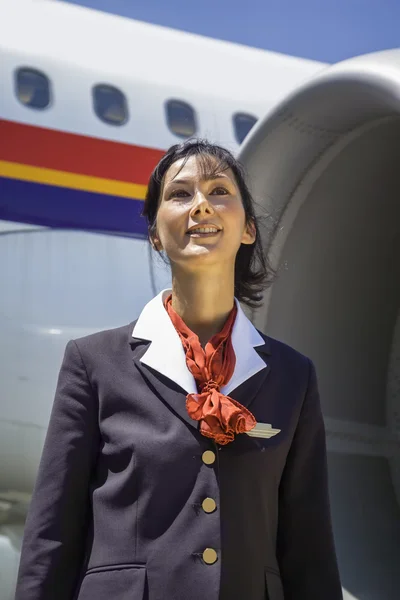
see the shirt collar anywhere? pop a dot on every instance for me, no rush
(166, 354)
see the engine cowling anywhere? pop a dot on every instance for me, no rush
(324, 167)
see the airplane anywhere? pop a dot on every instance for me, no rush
(88, 104)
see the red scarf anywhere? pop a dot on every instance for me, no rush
(221, 417)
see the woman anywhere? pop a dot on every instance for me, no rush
(161, 476)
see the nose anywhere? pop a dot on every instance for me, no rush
(201, 205)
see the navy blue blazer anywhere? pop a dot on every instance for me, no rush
(132, 503)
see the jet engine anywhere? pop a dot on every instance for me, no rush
(324, 167)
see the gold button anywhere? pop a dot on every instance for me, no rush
(208, 457)
(209, 505)
(210, 556)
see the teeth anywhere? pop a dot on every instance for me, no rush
(204, 230)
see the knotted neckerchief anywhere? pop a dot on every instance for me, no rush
(221, 417)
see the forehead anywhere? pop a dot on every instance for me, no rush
(198, 168)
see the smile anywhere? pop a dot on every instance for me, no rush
(203, 231)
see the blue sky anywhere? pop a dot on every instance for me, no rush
(326, 30)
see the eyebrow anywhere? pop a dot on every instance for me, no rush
(203, 178)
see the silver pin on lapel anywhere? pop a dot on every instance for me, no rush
(263, 430)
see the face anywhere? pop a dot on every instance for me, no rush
(200, 220)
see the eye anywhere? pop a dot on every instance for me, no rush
(219, 191)
(178, 194)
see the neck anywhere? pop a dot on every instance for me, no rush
(203, 301)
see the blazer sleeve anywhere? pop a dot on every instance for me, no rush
(305, 544)
(54, 536)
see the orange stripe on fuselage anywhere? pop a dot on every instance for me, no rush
(78, 154)
(70, 180)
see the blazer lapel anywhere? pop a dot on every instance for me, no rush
(163, 387)
(247, 391)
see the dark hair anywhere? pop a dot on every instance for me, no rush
(252, 271)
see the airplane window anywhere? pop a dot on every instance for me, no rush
(110, 104)
(242, 124)
(181, 118)
(32, 88)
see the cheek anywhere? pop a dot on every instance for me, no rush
(169, 222)
(235, 218)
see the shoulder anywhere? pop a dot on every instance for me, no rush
(283, 353)
(291, 366)
(108, 340)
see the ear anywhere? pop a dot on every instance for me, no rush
(249, 233)
(156, 243)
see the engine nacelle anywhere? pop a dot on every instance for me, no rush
(325, 168)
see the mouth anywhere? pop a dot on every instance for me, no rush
(203, 231)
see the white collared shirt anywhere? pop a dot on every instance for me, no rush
(167, 356)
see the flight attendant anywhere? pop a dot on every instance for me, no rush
(185, 457)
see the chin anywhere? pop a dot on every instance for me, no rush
(201, 257)
(205, 256)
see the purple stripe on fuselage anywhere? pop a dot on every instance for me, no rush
(51, 206)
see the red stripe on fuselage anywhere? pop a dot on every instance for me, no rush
(40, 147)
